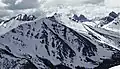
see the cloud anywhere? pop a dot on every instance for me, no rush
(50, 3)
(34, 6)
(93, 1)
(112, 3)
(20, 4)
(4, 13)
(18, 1)
(13, 7)
(2, 5)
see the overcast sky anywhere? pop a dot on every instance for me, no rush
(13, 7)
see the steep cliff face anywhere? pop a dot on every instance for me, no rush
(106, 20)
(114, 25)
(48, 44)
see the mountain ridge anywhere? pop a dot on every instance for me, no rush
(47, 43)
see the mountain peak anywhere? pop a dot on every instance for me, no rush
(106, 20)
(80, 18)
(19, 17)
(25, 17)
(113, 14)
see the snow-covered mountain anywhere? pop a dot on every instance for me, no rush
(56, 42)
(106, 20)
(18, 18)
(114, 25)
(25, 17)
(80, 18)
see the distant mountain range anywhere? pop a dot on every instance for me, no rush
(112, 15)
(19, 17)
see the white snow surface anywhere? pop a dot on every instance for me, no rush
(115, 67)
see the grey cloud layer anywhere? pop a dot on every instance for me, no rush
(25, 4)
(4, 13)
(94, 1)
(35, 4)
